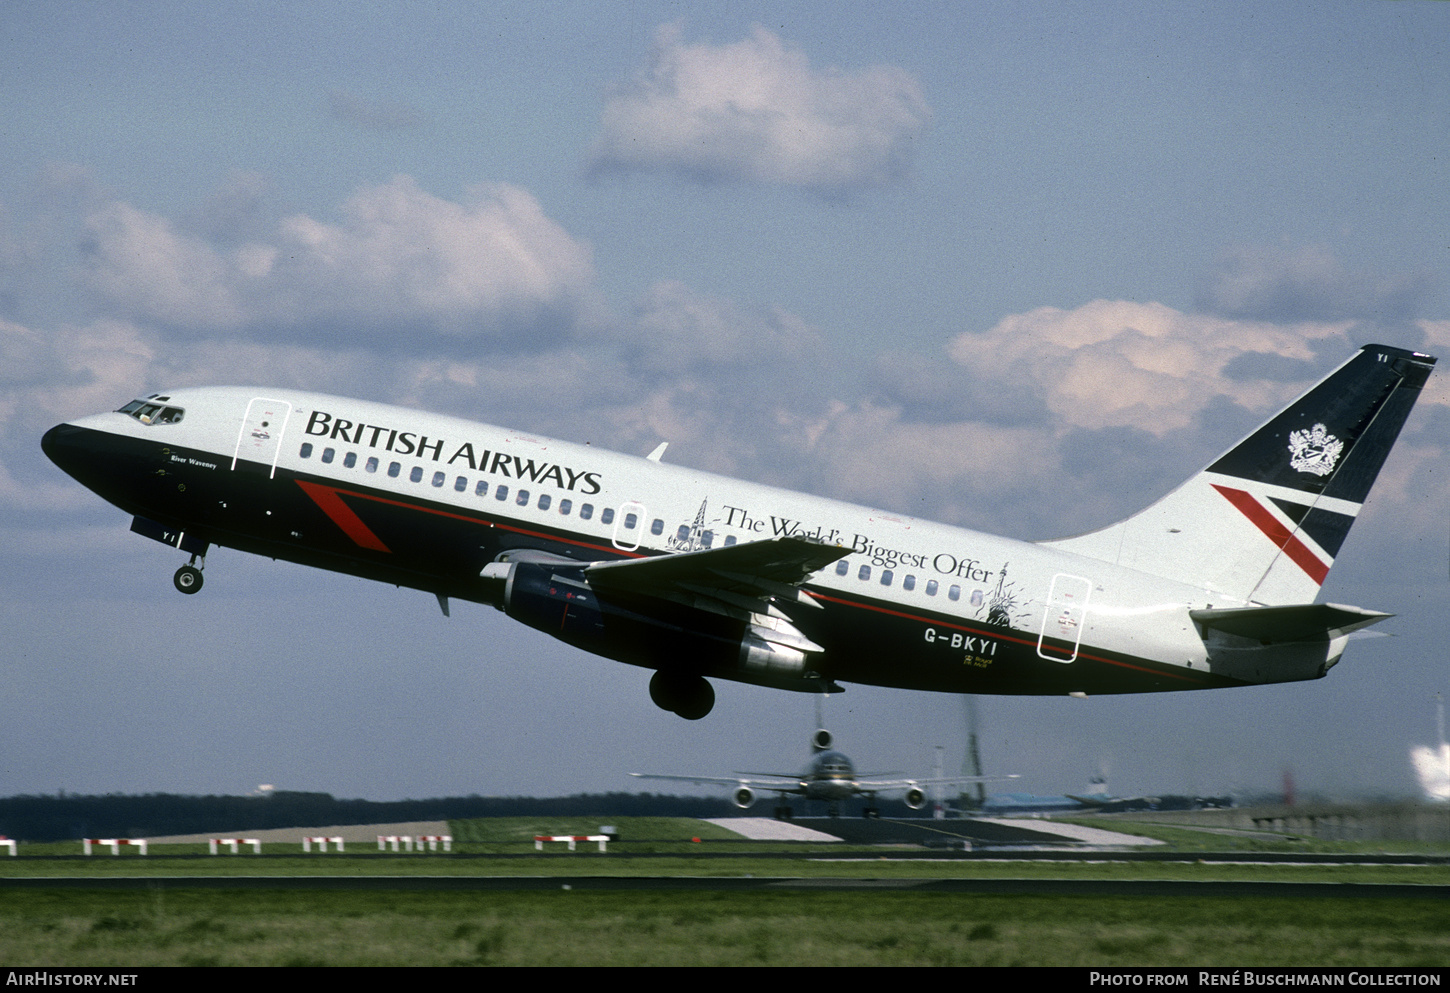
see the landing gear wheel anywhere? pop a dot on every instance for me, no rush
(699, 700)
(689, 696)
(187, 579)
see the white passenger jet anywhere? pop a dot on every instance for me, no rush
(830, 777)
(695, 575)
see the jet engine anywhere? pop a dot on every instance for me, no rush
(549, 593)
(743, 797)
(915, 798)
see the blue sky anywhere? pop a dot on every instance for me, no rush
(1016, 267)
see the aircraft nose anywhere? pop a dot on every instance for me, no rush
(61, 444)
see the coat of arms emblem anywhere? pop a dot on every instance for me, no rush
(1315, 450)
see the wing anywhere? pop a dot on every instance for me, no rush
(746, 583)
(867, 783)
(776, 784)
(736, 581)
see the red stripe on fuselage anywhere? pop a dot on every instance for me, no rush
(342, 515)
(1281, 536)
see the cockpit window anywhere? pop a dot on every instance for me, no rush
(153, 410)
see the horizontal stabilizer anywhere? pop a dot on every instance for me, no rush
(1296, 622)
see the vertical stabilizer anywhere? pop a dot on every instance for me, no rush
(1264, 522)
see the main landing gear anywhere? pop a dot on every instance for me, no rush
(689, 696)
(188, 578)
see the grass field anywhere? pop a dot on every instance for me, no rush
(268, 927)
(181, 926)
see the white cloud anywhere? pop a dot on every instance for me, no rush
(1116, 363)
(756, 110)
(401, 262)
(144, 265)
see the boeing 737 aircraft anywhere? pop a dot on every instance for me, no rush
(830, 777)
(695, 575)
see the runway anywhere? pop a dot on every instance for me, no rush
(764, 884)
(973, 833)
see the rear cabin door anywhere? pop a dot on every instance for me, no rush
(629, 525)
(1064, 617)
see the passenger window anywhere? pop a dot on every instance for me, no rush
(730, 539)
(327, 454)
(909, 583)
(394, 468)
(657, 526)
(865, 572)
(306, 451)
(349, 460)
(460, 484)
(683, 534)
(481, 489)
(523, 498)
(417, 474)
(586, 511)
(707, 538)
(842, 567)
(630, 520)
(955, 593)
(439, 477)
(606, 516)
(544, 501)
(931, 587)
(976, 598)
(502, 493)
(372, 464)
(565, 506)
(885, 577)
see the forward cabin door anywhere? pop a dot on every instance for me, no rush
(260, 437)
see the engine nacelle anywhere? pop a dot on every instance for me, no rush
(552, 596)
(771, 659)
(743, 797)
(915, 798)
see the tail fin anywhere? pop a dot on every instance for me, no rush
(1263, 523)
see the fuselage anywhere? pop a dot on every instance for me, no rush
(830, 776)
(427, 501)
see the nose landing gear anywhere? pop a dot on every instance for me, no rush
(188, 578)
